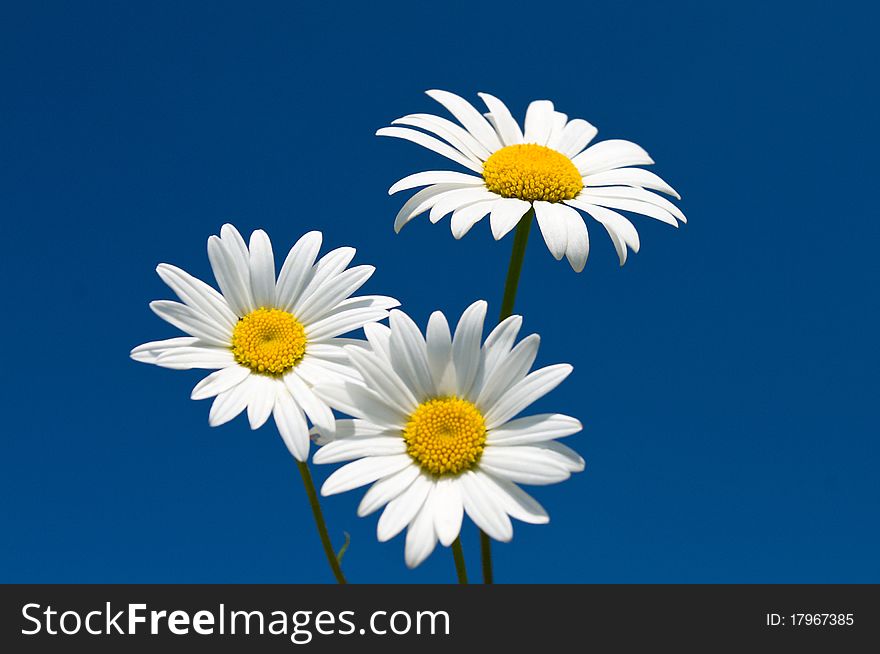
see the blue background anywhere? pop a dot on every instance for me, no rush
(726, 376)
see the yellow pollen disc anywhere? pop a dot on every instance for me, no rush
(269, 341)
(445, 435)
(532, 172)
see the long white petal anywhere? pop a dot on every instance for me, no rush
(361, 402)
(381, 378)
(297, 269)
(324, 299)
(422, 201)
(578, 247)
(421, 539)
(315, 408)
(262, 267)
(636, 194)
(401, 511)
(219, 381)
(525, 465)
(468, 116)
(458, 137)
(621, 230)
(575, 137)
(614, 153)
(533, 429)
(187, 358)
(506, 214)
(193, 322)
(630, 177)
(511, 370)
(448, 509)
(483, 509)
(539, 122)
(197, 294)
(409, 356)
(431, 143)
(291, 425)
(435, 177)
(553, 227)
(364, 471)
(228, 404)
(459, 198)
(508, 129)
(387, 489)
(232, 276)
(515, 501)
(261, 400)
(342, 323)
(347, 449)
(438, 341)
(466, 346)
(464, 218)
(533, 387)
(147, 352)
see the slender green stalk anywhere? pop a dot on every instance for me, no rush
(517, 255)
(319, 522)
(458, 555)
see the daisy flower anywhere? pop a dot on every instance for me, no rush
(546, 167)
(435, 429)
(268, 340)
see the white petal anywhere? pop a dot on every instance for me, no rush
(572, 461)
(557, 124)
(367, 302)
(421, 538)
(292, 426)
(578, 247)
(508, 129)
(438, 341)
(506, 214)
(614, 153)
(378, 336)
(458, 137)
(525, 464)
(464, 218)
(361, 402)
(637, 194)
(197, 294)
(316, 409)
(466, 346)
(219, 381)
(621, 231)
(347, 449)
(630, 177)
(381, 378)
(262, 266)
(232, 274)
(539, 122)
(431, 143)
(483, 509)
(447, 508)
(435, 177)
(533, 387)
(364, 471)
(261, 401)
(330, 265)
(401, 510)
(356, 429)
(533, 429)
(420, 202)
(515, 501)
(509, 371)
(468, 116)
(187, 358)
(409, 356)
(328, 296)
(297, 269)
(387, 489)
(500, 341)
(456, 199)
(342, 323)
(553, 227)
(192, 321)
(147, 352)
(575, 137)
(228, 404)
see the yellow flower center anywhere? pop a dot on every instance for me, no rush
(532, 172)
(270, 341)
(445, 435)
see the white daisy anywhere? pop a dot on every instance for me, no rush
(270, 341)
(434, 428)
(547, 167)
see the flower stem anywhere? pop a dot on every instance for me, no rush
(319, 522)
(517, 255)
(458, 555)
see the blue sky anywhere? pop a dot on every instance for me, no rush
(726, 376)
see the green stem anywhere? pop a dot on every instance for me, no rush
(319, 522)
(517, 255)
(458, 555)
